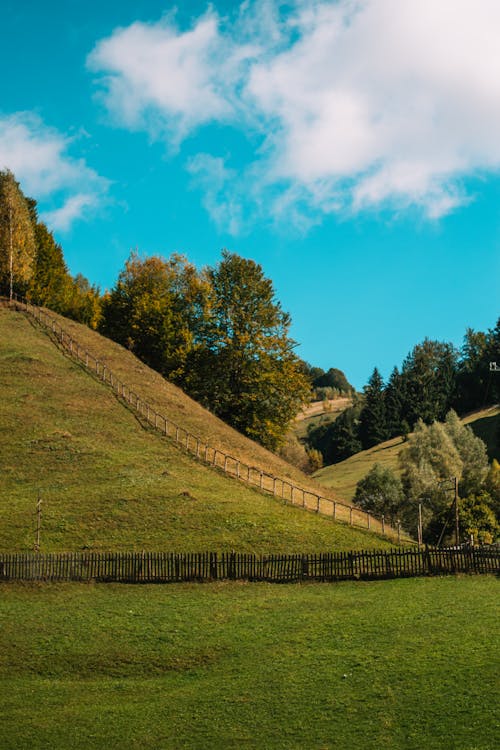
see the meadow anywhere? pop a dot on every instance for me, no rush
(106, 481)
(406, 664)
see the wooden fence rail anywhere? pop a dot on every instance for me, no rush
(277, 486)
(168, 567)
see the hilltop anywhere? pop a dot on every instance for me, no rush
(106, 481)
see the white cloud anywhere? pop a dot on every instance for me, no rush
(74, 208)
(221, 196)
(38, 156)
(359, 103)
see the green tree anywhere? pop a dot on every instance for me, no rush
(473, 374)
(428, 458)
(373, 418)
(394, 402)
(429, 381)
(339, 439)
(381, 492)
(51, 284)
(333, 378)
(17, 241)
(242, 366)
(154, 310)
(472, 452)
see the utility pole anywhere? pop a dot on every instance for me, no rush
(38, 522)
(454, 507)
(419, 530)
(11, 253)
(457, 519)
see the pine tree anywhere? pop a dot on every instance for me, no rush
(394, 402)
(429, 381)
(373, 419)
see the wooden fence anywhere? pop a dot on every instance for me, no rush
(278, 487)
(167, 567)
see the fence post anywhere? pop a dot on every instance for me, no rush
(317, 503)
(399, 532)
(383, 524)
(350, 515)
(368, 517)
(334, 510)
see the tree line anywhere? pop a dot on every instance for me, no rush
(218, 332)
(32, 262)
(434, 378)
(221, 335)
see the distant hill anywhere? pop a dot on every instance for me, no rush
(106, 481)
(343, 477)
(319, 412)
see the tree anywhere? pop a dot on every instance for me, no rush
(51, 283)
(473, 374)
(154, 310)
(339, 439)
(333, 378)
(381, 492)
(429, 379)
(428, 458)
(373, 419)
(394, 402)
(242, 365)
(17, 241)
(472, 452)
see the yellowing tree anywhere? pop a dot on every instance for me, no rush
(17, 239)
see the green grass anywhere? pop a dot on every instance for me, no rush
(343, 477)
(106, 482)
(407, 664)
(486, 425)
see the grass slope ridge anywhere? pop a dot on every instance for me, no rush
(343, 477)
(108, 483)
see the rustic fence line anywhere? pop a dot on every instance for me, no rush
(166, 567)
(278, 487)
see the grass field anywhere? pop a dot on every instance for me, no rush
(106, 482)
(406, 664)
(343, 477)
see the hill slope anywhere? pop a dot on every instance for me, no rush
(107, 482)
(343, 477)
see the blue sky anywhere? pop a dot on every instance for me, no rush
(349, 147)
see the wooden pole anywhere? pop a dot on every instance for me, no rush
(457, 518)
(38, 522)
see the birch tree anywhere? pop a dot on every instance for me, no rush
(17, 240)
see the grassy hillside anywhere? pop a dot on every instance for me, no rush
(402, 665)
(107, 482)
(343, 477)
(319, 412)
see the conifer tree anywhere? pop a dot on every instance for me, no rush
(394, 402)
(429, 380)
(373, 419)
